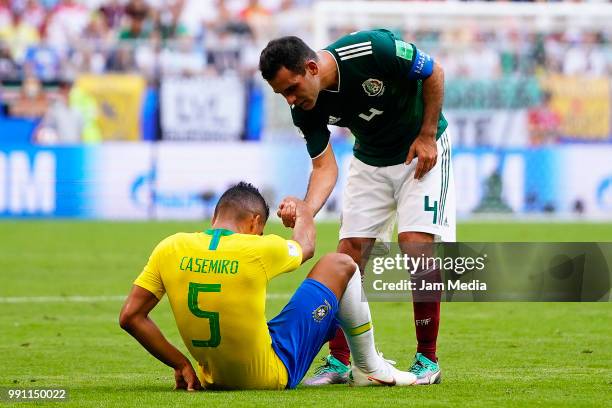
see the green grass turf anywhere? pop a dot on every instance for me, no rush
(492, 354)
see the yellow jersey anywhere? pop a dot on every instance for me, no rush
(216, 284)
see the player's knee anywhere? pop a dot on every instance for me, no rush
(410, 237)
(351, 247)
(340, 264)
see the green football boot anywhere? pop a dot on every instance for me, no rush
(426, 371)
(332, 372)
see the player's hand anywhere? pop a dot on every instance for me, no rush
(287, 211)
(291, 208)
(426, 150)
(186, 378)
(302, 209)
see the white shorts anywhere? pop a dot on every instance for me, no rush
(375, 196)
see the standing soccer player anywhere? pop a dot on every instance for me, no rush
(389, 94)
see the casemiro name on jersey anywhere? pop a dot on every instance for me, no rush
(204, 265)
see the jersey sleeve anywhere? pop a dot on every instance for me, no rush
(313, 127)
(399, 59)
(279, 255)
(150, 277)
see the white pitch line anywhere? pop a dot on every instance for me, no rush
(281, 296)
(61, 299)
(91, 299)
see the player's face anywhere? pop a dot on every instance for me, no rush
(299, 90)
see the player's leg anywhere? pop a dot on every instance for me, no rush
(358, 249)
(354, 318)
(336, 366)
(368, 368)
(426, 213)
(308, 320)
(303, 326)
(426, 304)
(367, 207)
(333, 270)
(426, 309)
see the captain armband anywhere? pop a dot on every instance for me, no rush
(422, 66)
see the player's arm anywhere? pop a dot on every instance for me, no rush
(134, 319)
(324, 174)
(322, 180)
(433, 96)
(403, 61)
(424, 147)
(304, 231)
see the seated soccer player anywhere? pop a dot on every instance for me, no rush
(216, 283)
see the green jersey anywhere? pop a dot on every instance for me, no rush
(375, 99)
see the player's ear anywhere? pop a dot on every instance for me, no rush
(257, 225)
(251, 224)
(312, 67)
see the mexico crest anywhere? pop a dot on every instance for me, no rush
(373, 87)
(333, 120)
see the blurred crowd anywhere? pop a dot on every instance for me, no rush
(507, 51)
(47, 44)
(57, 39)
(473, 51)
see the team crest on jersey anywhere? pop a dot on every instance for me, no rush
(320, 312)
(333, 120)
(373, 87)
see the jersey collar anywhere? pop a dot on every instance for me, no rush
(222, 231)
(338, 68)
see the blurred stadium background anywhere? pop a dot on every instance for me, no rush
(139, 109)
(148, 110)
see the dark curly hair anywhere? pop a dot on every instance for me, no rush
(243, 199)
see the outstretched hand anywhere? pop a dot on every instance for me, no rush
(291, 208)
(287, 212)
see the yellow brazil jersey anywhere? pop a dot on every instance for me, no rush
(216, 283)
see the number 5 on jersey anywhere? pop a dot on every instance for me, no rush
(213, 317)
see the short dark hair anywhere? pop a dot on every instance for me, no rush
(289, 52)
(242, 200)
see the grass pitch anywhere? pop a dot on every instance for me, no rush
(60, 294)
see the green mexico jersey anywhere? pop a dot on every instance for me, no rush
(375, 99)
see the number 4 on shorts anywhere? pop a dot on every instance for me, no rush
(433, 208)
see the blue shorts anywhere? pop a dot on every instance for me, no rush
(303, 327)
